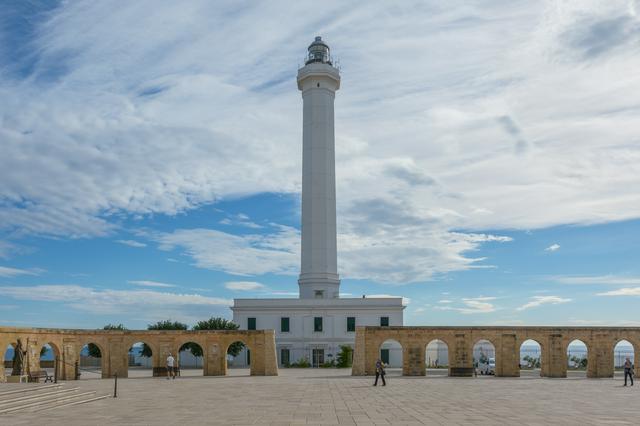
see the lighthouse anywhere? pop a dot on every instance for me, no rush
(318, 80)
(315, 327)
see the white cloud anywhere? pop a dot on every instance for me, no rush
(445, 301)
(472, 305)
(404, 251)
(6, 248)
(144, 283)
(278, 251)
(553, 247)
(99, 301)
(543, 300)
(253, 254)
(240, 219)
(627, 291)
(243, 285)
(597, 279)
(14, 272)
(131, 243)
(104, 126)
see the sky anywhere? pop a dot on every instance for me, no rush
(487, 158)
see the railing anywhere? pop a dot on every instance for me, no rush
(330, 60)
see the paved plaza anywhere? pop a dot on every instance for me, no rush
(329, 396)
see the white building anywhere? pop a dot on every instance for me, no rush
(314, 326)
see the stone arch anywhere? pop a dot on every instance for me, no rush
(191, 362)
(158, 367)
(482, 358)
(437, 356)
(531, 359)
(88, 371)
(49, 364)
(619, 356)
(552, 361)
(246, 352)
(6, 372)
(391, 351)
(578, 359)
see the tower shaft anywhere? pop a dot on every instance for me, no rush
(318, 80)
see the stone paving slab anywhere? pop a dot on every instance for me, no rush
(333, 397)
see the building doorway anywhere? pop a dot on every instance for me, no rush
(285, 357)
(317, 356)
(384, 355)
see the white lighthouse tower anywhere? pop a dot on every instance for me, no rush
(314, 327)
(318, 80)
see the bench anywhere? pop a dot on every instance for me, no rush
(37, 375)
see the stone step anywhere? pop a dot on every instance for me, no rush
(56, 400)
(83, 401)
(29, 389)
(6, 403)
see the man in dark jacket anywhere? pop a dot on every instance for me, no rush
(380, 373)
(628, 371)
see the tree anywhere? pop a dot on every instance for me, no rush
(579, 362)
(532, 362)
(162, 325)
(345, 357)
(94, 350)
(216, 323)
(583, 363)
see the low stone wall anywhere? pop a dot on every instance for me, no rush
(600, 342)
(114, 347)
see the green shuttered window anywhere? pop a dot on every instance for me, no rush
(351, 323)
(284, 324)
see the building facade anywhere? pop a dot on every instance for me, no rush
(313, 327)
(313, 330)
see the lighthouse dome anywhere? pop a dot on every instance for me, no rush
(318, 52)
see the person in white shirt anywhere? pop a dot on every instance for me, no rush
(170, 370)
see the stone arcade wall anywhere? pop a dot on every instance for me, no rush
(553, 341)
(114, 346)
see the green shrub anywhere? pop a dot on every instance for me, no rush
(345, 357)
(301, 363)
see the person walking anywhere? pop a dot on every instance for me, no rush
(628, 371)
(380, 373)
(170, 362)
